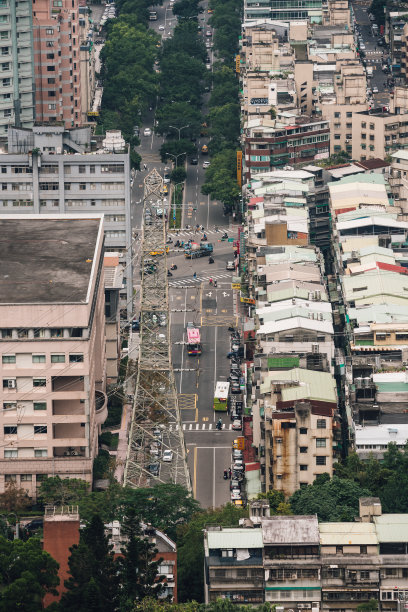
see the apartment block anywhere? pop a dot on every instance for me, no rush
(398, 179)
(53, 347)
(57, 60)
(289, 139)
(296, 563)
(17, 84)
(53, 170)
(377, 133)
(87, 62)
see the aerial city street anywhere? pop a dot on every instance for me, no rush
(204, 325)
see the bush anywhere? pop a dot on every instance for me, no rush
(101, 465)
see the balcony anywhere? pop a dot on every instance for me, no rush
(62, 452)
(72, 434)
(66, 384)
(101, 407)
(68, 408)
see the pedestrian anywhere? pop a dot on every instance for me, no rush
(229, 473)
(195, 275)
(144, 167)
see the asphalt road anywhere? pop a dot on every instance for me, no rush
(374, 57)
(193, 299)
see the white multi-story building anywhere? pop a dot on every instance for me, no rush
(52, 339)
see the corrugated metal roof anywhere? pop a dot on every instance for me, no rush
(392, 527)
(320, 386)
(235, 538)
(290, 530)
(338, 534)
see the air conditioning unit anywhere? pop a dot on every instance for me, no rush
(315, 348)
(11, 383)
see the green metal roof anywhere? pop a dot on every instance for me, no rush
(392, 527)
(319, 386)
(392, 387)
(235, 538)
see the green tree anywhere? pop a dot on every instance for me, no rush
(186, 9)
(332, 499)
(27, 574)
(225, 127)
(176, 147)
(138, 571)
(178, 115)
(62, 491)
(178, 175)
(14, 498)
(221, 179)
(190, 548)
(225, 87)
(94, 582)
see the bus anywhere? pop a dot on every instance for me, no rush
(152, 16)
(221, 396)
(193, 341)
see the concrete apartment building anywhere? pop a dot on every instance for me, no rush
(399, 179)
(57, 61)
(377, 133)
(349, 97)
(297, 563)
(17, 84)
(50, 169)
(53, 365)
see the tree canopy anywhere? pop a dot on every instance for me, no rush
(27, 574)
(221, 179)
(332, 499)
(62, 491)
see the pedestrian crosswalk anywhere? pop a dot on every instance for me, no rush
(184, 282)
(200, 427)
(210, 231)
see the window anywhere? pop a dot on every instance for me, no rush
(92, 169)
(320, 442)
(303, 468)
(39, 333)
(6, 82)
(337, 115)
(38, 358)
(56, 333)
(339, 550)
(7, 112)
(57, 358)
(10, 430)
(8, 359)
(337, 137)
(6, 333)
(320, 460)
(81, 169)
(371, 126)
(363, 550)
(303, 430)
(40, 452)
(11, 453)
(76, 358)
(364, 575)
(9, 406)
(9, 383)
(321, 423)
(49, 31)
(39, 382)
(26, 477)
(10, 478)
(40, 406)
(303, 449)
(40, 429)
(82, 186)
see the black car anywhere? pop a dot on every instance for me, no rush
(194, 161)
(154, 469)
(35, 524)
(135, 325)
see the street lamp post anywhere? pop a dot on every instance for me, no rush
(175, 156)
(179, 129)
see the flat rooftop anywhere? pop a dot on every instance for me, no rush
(47, 260)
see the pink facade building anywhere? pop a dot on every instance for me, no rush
(57, 61)
(52, 340)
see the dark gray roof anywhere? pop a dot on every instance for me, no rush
(46, 260)
(290, 530)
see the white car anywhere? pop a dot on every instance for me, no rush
(230, 265)
(206, 164)
(238, 465)
(147, 132)
(375, 90)
(161, 28)
(237, 425)
(168, 455)
(235, 494)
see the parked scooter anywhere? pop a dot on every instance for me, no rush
(169, 273)
(204, 238)
(211, 260)
(215, 282)
(173, 267)
(219, 424)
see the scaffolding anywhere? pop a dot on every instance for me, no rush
(156, 423)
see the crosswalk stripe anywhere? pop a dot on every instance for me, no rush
(200, 427)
